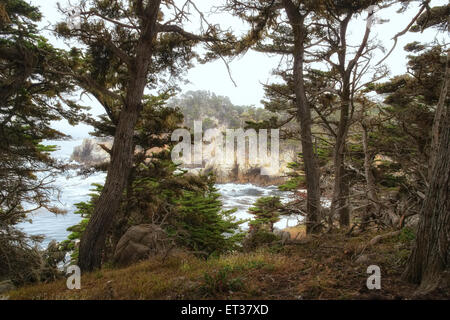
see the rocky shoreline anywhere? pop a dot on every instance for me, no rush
(92, 153)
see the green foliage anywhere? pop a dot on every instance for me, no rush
(34, 92)
(266, 211)
(436, 17)
(324, 153)
(391, 181)
(112, 45)
(405, 136)
(85, 209)
(407, 235)
(158, 192)
(293, 184)
(192, 215)
(202, 224)
(259, 238)
(297, 179)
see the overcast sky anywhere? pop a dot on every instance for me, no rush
(255, 68)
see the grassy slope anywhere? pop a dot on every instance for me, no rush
(318, 268)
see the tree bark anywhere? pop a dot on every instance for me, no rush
(304, 117)
(428, 264)
(430, 257)
(93, 239)
(372, 194)
(339, 203)
(440, 113)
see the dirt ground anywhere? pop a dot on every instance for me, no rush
(329, 266)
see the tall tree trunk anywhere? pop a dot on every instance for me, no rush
(372, 195)
(429, 263)
(304, 117)
(440, 113)
(93, 239)
(344, 199)
(340, 201)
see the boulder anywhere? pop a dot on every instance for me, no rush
(139, 243)
(90, 152)
(6, 286)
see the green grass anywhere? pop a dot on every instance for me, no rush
(322, 268)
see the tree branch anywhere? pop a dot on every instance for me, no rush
(185, 34)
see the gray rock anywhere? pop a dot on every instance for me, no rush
(90, 152)
(141, 242)
(6, 286)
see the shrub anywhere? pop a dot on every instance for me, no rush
(202, 224)
(266, 211)
(259, 238)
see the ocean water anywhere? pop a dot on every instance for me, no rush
(75, 189)
(243, 196)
